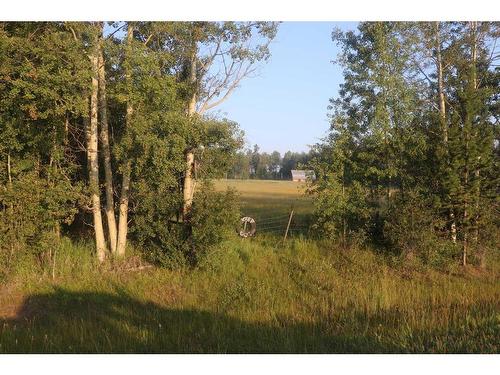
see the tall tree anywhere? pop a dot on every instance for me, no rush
(415, 115)
(92, 146)
(218, 57)
(126, 172)
(106, 151)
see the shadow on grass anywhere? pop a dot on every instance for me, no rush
(63, 321)
(67, 322)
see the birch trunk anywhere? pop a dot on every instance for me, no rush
(469, 133)
(93, 161)
(123, 212)
(10, 210)
(8, 168)
(108, 173)
(124, 195)
(188, 188)
(476, 171)
(442, 102)
(465, 224)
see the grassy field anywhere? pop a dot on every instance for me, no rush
(252, 296)
(270, 203)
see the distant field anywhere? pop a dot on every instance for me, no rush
(270, 202)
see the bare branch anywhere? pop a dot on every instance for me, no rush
(206, 66)
(72, 32)
(207, 105)
(118, 29)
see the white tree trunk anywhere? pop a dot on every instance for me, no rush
(93, 161)
(442, 102)
(476, 172)
(188, 188)
(124, 196)
(108, 173)
(123, 213)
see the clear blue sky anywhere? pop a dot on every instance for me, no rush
(285, 106)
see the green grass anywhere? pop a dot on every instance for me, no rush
(255, 295)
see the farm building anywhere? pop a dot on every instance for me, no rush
(300, 175)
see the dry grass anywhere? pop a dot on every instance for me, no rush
(270, 202)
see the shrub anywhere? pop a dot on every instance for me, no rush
(341, 213)
(214, 217)
(32, 210)
(173, 244)
(412, 228)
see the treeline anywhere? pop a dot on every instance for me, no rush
(254, 164)
(104, 131)
(412, 159)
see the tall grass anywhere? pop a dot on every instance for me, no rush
(256, 295)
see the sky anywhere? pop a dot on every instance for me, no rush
(285, 106)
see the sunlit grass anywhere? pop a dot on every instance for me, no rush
(255, 295)
(251, 297)
(270, 203)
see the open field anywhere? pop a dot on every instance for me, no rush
(252, 296)
(270, 202)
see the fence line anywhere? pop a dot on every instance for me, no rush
(278, 224)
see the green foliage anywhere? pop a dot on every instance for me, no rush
(220, 139)
(417, 175)
(167, 241)
(43, 85)
(33, 211)
(214, 217)
(341, 212)
(414, 229)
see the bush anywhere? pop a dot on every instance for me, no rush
(341, 213)
(412, 229)
(170, 243)
(214, 217)
(32, 210)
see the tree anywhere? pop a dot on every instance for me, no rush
(413, 119)
(472, 146)
(217, 58)
(275, 162)
(43, 102)
(72, 98)
(92, 148)
(126, 173)
(106, 151)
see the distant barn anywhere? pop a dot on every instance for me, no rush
(300, 175)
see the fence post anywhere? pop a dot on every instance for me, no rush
(288, 225)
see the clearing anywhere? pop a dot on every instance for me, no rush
(269, 202)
